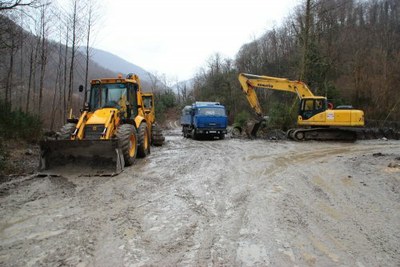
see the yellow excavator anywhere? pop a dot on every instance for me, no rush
(317, 120)
(112, 130)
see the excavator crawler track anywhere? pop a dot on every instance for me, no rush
(323, 134)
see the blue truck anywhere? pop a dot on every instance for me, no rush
(204, 119)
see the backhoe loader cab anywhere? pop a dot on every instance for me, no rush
(116, 94)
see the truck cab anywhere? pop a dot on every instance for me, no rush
(204, 119)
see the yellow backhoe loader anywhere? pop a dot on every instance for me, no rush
(110, 133)
(317, 118)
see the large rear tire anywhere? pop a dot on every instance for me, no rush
(144, 141)
(127, 142)
(67, 130)
(157, 137)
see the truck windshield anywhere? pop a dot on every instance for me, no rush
(108, 95)
(212, 111)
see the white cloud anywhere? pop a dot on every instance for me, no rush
(176, 37)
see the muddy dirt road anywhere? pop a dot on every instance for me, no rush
(214, 203)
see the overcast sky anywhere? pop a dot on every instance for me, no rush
(177, 37)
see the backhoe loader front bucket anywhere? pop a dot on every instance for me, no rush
(81, 157)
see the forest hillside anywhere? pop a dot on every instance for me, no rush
(346, 50)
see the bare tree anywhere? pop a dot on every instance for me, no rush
(56, 88)
(90, 22)
(43, 53)
(65, 96)
(31, 62)
(73, 51)
(306, 38)
(8, 5)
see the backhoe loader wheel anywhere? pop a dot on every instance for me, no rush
(67, 130)
(157, 137)
(143, 141)
(128, 142)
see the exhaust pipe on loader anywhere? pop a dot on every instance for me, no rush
(81, 157)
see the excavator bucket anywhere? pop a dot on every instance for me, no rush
(253, 126)
(81, 157)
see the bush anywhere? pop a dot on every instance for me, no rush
(18, 124)
(163, 102)
(241, 118)
(3, 155)
(281, 116)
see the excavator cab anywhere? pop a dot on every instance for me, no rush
(310, 107)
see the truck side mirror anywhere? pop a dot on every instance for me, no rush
(81, 88)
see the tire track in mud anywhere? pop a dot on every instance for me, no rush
(282, 162)
(195, 203)
(223, 214)
(300, 212)
(229, 204)
(205, 237)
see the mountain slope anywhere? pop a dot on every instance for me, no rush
(117, 64)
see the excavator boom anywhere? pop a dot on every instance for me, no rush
(250, 81)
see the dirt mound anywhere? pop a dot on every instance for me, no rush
(19, 158)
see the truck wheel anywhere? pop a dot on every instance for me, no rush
(127, 142)
(221, 136)
(195, 135)
(67, 130)
(143, 141)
